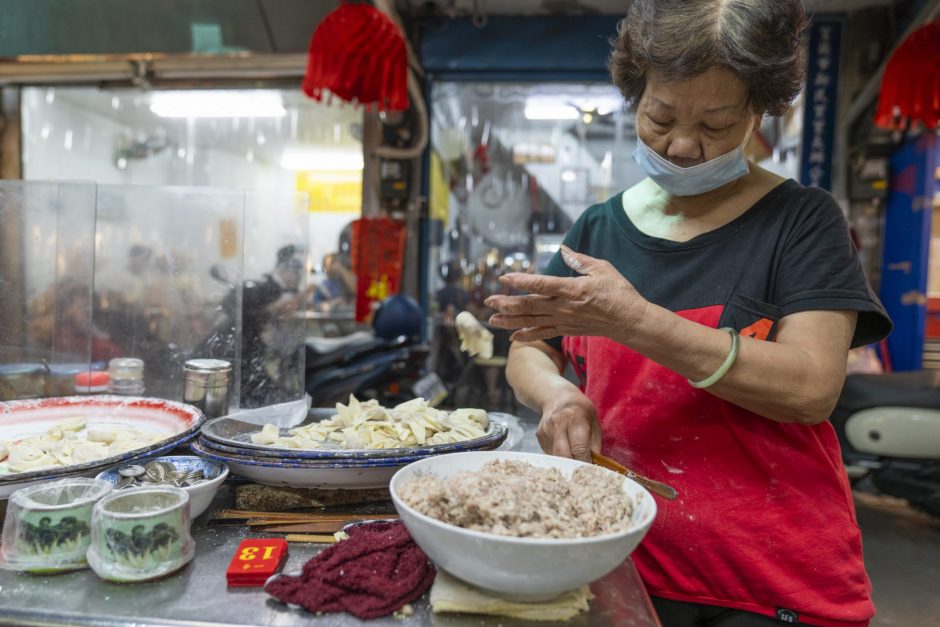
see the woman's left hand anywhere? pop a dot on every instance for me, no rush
(600, 302)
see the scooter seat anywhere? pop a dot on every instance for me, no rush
(325, 345)
(897, 389)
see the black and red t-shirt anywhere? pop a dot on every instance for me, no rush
(765, 520)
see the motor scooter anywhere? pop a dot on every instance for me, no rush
(889, 429)
(365, 365)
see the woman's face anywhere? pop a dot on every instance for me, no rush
(697, 119)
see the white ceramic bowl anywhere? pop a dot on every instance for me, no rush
(521, 569)
(200, 494)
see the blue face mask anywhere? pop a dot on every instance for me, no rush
(698, 179)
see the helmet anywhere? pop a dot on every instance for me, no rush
(397, 315)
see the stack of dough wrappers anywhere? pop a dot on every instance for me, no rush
(368, 425)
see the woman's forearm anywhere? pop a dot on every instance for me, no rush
(795, 378)
(786, 382)
(568, 425)
(535, 376)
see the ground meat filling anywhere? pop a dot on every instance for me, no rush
(518, 499)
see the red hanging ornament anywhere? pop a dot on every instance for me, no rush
(358, 53)
(910, 88)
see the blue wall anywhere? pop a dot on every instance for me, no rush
(907, 247)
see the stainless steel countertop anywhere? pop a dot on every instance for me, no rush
(198, 596)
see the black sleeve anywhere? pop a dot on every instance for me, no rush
(819, 269)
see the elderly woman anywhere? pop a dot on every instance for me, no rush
(707, 312)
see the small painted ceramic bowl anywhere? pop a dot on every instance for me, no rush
(48, 526)
(138, 534)
(200, 494)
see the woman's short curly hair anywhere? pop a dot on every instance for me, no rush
(758, 40)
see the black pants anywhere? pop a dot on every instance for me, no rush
(681, 614)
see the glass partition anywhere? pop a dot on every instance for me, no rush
(275, 297)
(275, 141)
(163, 274)
(202, 272)
(47, 234)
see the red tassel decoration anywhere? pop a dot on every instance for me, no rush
(910, 89)
(358, 53)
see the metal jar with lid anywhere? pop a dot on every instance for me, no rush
(126, 376)
(207, 384)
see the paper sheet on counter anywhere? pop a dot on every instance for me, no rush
(284, 415)
(449, 594)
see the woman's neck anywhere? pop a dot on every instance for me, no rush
(680, 218)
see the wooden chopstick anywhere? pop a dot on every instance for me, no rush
(304, 528)
(298, 516)
(317, 539)
(656, 487)
(261, 522)
(254, 524)
(241, 513)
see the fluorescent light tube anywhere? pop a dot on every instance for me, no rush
(546, 111)
(217, 104)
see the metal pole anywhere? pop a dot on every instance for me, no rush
(12, 302)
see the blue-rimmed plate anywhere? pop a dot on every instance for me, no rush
(228, 435)
(348, 473)
(199, 446)
(175, 423)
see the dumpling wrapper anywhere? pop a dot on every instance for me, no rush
(62, 451)
(119, 447)
(89, 452)
(71, 424)
(268, 435)
(475, 339)
(368, 425)
(105, 436)
(478, 415)
(25, 456)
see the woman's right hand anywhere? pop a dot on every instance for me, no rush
(569, 427)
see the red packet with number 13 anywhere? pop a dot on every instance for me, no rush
(255, 560)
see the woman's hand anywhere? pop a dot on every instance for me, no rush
(569, 428)
(600, 302)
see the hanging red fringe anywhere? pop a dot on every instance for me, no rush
(910, 89)
(358, 53)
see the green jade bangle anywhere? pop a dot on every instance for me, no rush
(723, 369)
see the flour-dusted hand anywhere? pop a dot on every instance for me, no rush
(600, 302)
(475, 339)
(569, 427)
